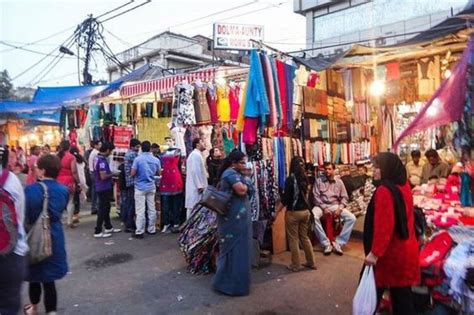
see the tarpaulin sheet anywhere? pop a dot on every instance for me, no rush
(68, 94)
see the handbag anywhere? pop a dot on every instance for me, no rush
(216, 200)
(39, 236)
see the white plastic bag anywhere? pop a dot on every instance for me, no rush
(365, 298)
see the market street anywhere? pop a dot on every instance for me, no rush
(121, 275)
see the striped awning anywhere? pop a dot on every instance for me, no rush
(164, 85)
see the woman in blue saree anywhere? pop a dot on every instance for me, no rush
(233, 265)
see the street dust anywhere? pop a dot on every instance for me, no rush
(108, 260)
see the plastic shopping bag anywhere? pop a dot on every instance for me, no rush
(365, 298)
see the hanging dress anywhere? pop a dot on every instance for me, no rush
(223, 104)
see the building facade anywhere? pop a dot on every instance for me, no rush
(171, 52)
(342, 23)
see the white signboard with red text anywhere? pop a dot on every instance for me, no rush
(236, 36)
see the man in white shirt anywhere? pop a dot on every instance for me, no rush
(13, 265)
(196, 176)
(415, 168)
(95, 145)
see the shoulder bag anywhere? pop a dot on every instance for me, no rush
(39, 236)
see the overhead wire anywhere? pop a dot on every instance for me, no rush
(126, 11)
(25, 49)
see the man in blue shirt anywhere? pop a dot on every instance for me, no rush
(144, 169)
(129, 192)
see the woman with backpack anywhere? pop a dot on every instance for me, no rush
(68, 177)
(42, 275)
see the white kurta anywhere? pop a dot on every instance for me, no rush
(196, 178)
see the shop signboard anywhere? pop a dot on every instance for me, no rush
(236, 36)
(122, 137)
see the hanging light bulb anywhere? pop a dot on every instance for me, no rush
(447, 74)
(377, 88)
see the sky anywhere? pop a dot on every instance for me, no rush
(26, 21)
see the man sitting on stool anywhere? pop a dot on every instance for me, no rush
(330, 196)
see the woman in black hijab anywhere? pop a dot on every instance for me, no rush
(389, 234)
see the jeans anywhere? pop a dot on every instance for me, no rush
(128, 208)
(348, 220)
(144, 200)
(12, 273)
(94, 196)
(170, 209)
(103, 214)
(401, 298)
(296, 223)
(77, 200)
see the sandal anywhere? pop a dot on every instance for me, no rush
(30, 309)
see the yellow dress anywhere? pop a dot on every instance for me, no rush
(223, 105)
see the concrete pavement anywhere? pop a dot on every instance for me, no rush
(121, 275)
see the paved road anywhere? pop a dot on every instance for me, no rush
(121, 275)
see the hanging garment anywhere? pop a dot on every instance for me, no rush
(234, 92)
(201, 107)
(183, 105)
(250, 130)
(290, 85)
(171, 182)
(178, 135)
(229, 144)
(223, 104)
(282, 82)
(212, 102)
(256, 101)
(270, 85)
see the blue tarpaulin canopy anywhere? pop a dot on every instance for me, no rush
(10, 106)
(68, 94)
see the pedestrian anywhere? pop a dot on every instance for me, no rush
(81, 187)
(155, 150)
(196, 176)
(330, 197)
(233, 265)
(46, 149)
(104, 189)
(128, 214)
(68, 177)
(42, 275)
(214, 163)
(144, 169)
(12, 264)
(91, 158)
(390, 242)
(296, 200)
(35, 152)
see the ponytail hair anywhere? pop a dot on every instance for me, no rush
(233, 157)
(64, 146)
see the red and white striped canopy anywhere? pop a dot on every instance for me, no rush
(164, 85)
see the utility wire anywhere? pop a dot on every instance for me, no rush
(126, 11)
(39, 40)
(25, 49)
(117, 8)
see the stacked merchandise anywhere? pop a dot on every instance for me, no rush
(360, 198)
(199, 241)
(446, 263)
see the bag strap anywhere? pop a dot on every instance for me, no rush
(4, 177)
(44, 213)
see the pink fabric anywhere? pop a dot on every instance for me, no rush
(250, 130)
(447, 104)
(65, 173)
(31, 178)
(234, 103)
(171, 179)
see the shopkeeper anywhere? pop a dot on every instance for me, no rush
(415, 168)
(435, 168)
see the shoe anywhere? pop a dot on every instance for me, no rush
(327, 250)
(72, 226)
(102, 235)
(128, 230)
(112, 230)
(294, 269)
(151, 233)
(309, 266)
(138, 236)
(175, 229)
(337, 248)
(166, 229)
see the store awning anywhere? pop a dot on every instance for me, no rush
(165, 84)
(68, 94)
